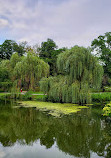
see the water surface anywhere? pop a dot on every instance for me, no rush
(27, 132)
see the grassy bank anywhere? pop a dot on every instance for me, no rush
(101, 97)
(29, 95)
(39, 96)
(4, 95)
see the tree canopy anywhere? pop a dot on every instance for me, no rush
(5, 75)
(30, 70)
(48, 52)
(24, 72)
(102, 45)
(9, 47)
(78, 70)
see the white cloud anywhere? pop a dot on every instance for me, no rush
(3, 23)
(67, 23)
(2, 154)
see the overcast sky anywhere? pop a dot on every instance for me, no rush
(67, 22)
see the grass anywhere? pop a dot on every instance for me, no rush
(30, 95)
(101, 97)
(55, 109)
(38, 93)
(39, 97)
(4, 94)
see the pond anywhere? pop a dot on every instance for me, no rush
(28, 132)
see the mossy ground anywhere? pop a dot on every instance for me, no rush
(55, 109)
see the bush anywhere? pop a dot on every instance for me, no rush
(40, 97)
(107, 110)
(101, 97)
(107, 89)
(28, 95)
(5, 86)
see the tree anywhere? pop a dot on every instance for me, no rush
(102, 45)
(48, 52)
(6, 49)
(29, 70)
(25, 71)
(5, 75)
(78, 71)
(9, 47)
(21, 48)
(47, 48)
(15, 58)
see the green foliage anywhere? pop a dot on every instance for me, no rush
(15, 91)
(15, 58)
(4, 95)
(103, 47)
(101, 97)
(39, 97)
(5, 86)
(48, 52)
(4, 74)
(30, 70)
(107, 89)
(47, 48)
(9, 47)
(28, 95)
(25, 71)
(107, 110)
(79, 70)
(5, 82)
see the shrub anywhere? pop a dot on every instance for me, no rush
(28, 95)
(107, 110)
(40, 97)
(107, 89)
(101, 97)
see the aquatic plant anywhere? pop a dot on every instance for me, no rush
(55, 109)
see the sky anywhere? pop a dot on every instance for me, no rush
(67, 22)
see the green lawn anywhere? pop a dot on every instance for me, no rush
(3, 94)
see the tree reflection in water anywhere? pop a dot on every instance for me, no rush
(77, 134)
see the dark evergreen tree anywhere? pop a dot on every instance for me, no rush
(9, 47)
(48, 52)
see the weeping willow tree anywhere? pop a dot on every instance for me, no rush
(29, 70)
(78, 71)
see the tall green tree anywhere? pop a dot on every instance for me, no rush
(24, 72)
(78, 71)
(21, 48)
(48, 52)
(47, 48)
(5, 75)
(29, 70)
(102, 45)
(9, 47)
(6, 49)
